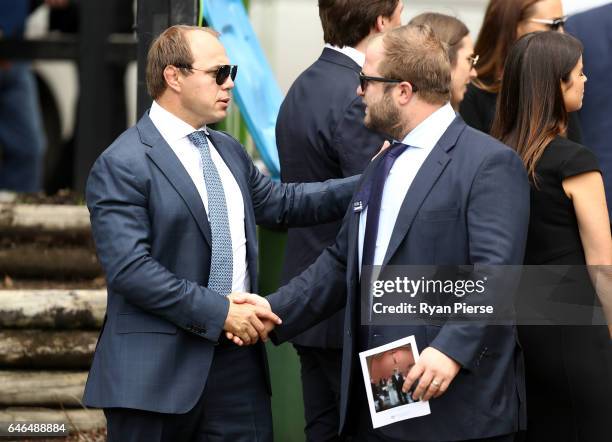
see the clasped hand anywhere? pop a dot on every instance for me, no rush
(249, 319)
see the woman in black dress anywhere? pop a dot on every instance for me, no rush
(504, 22)
(568, 368)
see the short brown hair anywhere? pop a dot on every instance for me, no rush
(413, 53)
(449, 30)
(170, 48)
(347, 22)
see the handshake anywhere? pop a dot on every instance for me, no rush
(249, 319)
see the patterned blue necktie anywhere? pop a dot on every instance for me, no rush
(221, 266)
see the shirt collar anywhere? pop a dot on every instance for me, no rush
(171, 127)
(427, 134)
(352, 53)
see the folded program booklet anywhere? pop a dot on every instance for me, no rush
(384, 370)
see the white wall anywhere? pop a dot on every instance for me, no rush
(291, 36)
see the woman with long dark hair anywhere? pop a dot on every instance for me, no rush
(504, 22)
(568, 368)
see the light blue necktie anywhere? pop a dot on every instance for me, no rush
(221, 266)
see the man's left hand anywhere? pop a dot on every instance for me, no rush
(435, 370)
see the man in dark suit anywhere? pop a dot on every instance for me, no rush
(320, 135)
(450, 195)
(398, 384)
(594, 29)
(173, 209)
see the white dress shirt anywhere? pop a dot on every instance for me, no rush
(355, 55)
(422, 139)
(175, 132)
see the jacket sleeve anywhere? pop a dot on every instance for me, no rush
(314, 295)
(121, 228)
(298, 204)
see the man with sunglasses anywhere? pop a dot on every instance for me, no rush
(320, 135)
(173, 208)
(441, 194)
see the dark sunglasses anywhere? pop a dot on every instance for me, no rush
(553, 23)
(364, 79)
(221, 73)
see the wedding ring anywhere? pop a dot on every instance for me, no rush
(435, 383)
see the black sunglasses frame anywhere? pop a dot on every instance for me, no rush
(221, 73)
(363, 81)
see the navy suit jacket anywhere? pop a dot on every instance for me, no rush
(468, 204)
(320, 135)
(154, 242)
(594, 29)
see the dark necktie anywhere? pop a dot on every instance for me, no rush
(374, 189)
(221, 265)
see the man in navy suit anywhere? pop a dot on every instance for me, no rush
(450, 195)
(320, 135)
(173, 208)
(594, 29)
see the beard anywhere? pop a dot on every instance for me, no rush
(384, 117)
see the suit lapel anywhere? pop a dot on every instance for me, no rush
(423, 182)
(166, 160)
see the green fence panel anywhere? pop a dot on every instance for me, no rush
(287, 403)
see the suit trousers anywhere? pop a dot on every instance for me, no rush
(321, 368)
(234, 407)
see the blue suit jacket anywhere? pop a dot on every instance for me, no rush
(468, 204)
(594, 29)
(320, 135)
(154, 242)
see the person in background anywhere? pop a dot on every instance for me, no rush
(321, 135)
(594, 29)
(456, 35)
(22, 139)
(568, 368)
(504, 22)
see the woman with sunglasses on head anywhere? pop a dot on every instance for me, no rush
(568, 367)
(504, 22)
(456, 35)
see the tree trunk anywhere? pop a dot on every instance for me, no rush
(47, 349)
(58, 309)
(20, 218)
(31, 260)
(42, 388)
